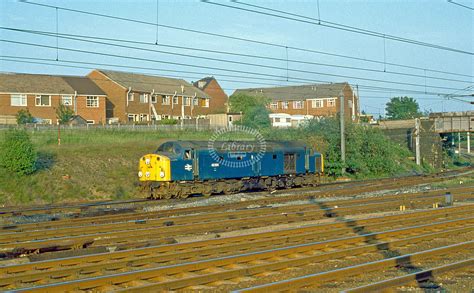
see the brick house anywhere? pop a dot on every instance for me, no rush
(307, 101)
(219, 101)
(42, 94)
(142, 98)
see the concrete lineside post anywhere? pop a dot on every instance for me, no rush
(343, 138)
(468, 142)
(449, 199)
(459, 142)
(417, 141)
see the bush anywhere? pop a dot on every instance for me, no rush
(168, 121)
(24, 117)
(368, 151)
(18, 154)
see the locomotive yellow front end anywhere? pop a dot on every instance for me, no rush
(153, 167)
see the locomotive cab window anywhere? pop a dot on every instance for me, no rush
(187, 154)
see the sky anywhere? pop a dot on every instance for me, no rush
(295, 52)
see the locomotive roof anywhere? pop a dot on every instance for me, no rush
(269, 145)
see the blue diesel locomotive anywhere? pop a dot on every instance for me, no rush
(178, 169)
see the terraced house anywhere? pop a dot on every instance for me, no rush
(292, 104)
(143, 98)
(42, 94)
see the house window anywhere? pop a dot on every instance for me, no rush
(297, 104)
(165, 100)
(288, 120)
(43, 101)
(175, 100)
(92, 102)
(205, 103)
(165, 117)
(187, 101)
(130, 97)
(274, 105)
(277, 119)
(66, 100)
(331, 102)
(195, 102)
(90, 121)
(201, 84)
(317, 103)
(132, 117)
(18, 100)
(154, 99)
(143, 117)
(284, 105)
(143, 98)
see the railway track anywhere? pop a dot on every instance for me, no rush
(80, 209)
(230, 271)
(163, 230)
(343, 232)
(245, 245)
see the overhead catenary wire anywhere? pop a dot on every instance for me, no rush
(334, 25)
(242, 39)
(209, 67)
(461, 5)
(7, 58)
(216, 59)
(287, 60)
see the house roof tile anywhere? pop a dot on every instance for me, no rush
(47, 84)
(148, 83)
(302, 92)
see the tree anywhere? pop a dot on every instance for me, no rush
(243, 102)
(254, 109)
(402, 108)
(24, 117)
(18, 154)
(256, 117)
(64, 114)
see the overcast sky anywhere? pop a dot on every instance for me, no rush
(434, 22)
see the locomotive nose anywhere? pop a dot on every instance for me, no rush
(153, 167)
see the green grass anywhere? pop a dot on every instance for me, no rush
(95, 164)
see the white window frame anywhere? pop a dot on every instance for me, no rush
(298, 105)
(143, 117)
(175, 100)
(187, 101)
(144, 98)
(165, 100)
(206, 103)
(154, 99)
(195, 102)
(285, 105)
(274, 105)
(331, 102)
(90, 122)
(130, 97)
(22, 100)
(47, 121)
(90, 102)
(64, 98)
(317, 103)
(38, 98)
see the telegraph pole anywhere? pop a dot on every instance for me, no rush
(343, 138)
